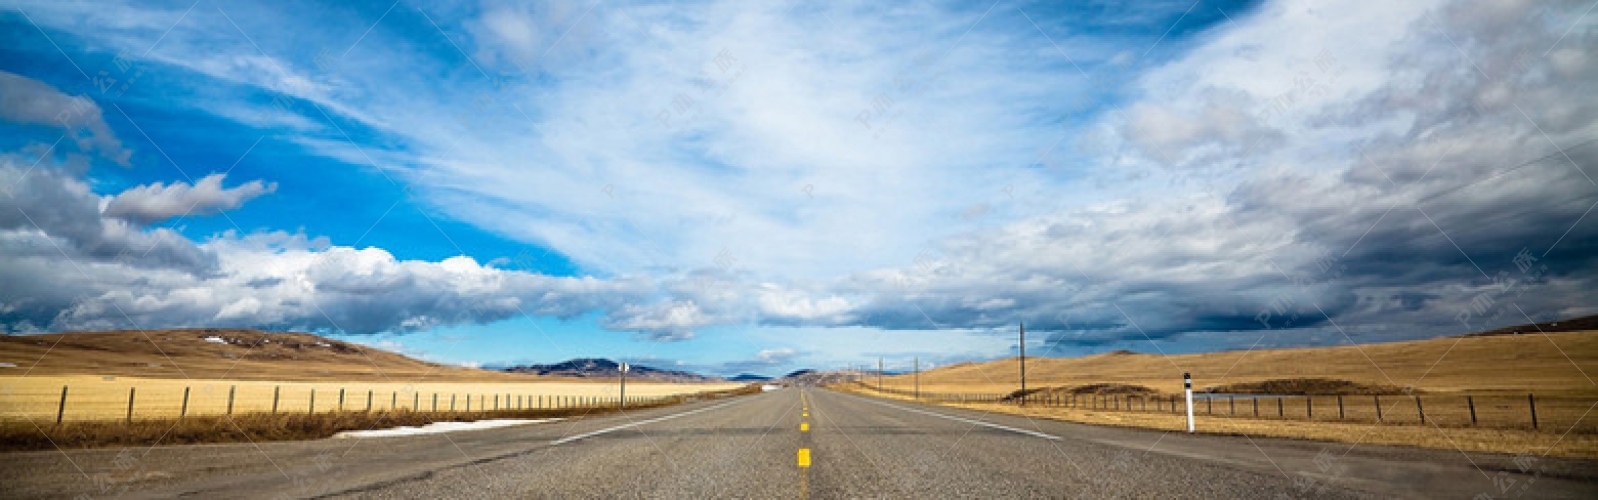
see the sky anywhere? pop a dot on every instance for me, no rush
(757, 187)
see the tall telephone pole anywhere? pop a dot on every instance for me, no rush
(918, 377)
(879, 374)
(1023, 363)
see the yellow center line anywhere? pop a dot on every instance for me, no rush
(804, 457)
(804, 427)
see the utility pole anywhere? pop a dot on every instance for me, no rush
(1023, 363)
(624, 368)
(879, 374)
(918, 377)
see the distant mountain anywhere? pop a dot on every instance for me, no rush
(820, 378)
(604, 368)
(747, 377)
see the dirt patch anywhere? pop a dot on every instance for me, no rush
(1109, 389)
(1315, 386)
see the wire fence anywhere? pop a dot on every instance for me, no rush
(1495, 411)
(167, 402)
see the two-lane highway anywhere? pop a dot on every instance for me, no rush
(790, 444)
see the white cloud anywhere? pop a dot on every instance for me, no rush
(28, 101)
(157, 202)
(1191, 205)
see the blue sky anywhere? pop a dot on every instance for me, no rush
(765, 186)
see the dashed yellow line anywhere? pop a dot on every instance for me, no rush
(804, 453)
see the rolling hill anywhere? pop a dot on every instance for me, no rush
(215, 353)
(1553, 363)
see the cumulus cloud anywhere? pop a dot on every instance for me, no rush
(1381, 167)
(31, 102)
(67, 266)
(157, 202)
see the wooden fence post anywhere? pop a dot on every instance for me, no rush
(368, 400)
(62, 409)
(341, 399)
(1339, 406)
(1279, 411)
(393, 400)
(313, 401)
(130, 404)
(1309, 407)
(276, 391)
(1472, 404)
(181, 413)
(416, 401)
(1378, 399)
(1531, 400)
(1419, 410)
(230, 391)
(1256, 406)
(1231, 402)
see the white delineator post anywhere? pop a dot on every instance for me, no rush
(1187, 387)
(623, 402)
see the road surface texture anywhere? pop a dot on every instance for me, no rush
(754, 446)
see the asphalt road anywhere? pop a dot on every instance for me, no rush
(753, 447)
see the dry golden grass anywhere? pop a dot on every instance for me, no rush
(1514, 441)
(37, 398)
(247, 355)
(1503, 365)
(99, 368)
(253, 428)
(1497, 372)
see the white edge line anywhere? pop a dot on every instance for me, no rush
(585, 435)
(965, 420)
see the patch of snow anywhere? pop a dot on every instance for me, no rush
(769, 388)
(8, 365)
(215, 340)
(323, 344)
(442, 427)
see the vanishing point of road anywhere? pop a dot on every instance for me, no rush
(792, 443)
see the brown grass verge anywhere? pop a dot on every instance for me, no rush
(257, 427)
(1512, 441)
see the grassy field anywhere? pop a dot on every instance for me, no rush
(260, 368)
(1496, 373)
(212, 353)
(1511, 441)
(1511, 365)
(258, 427)
(37, 398)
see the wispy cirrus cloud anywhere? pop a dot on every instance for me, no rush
(1265, 167)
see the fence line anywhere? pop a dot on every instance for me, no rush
(1450, 410)
(71, 406)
